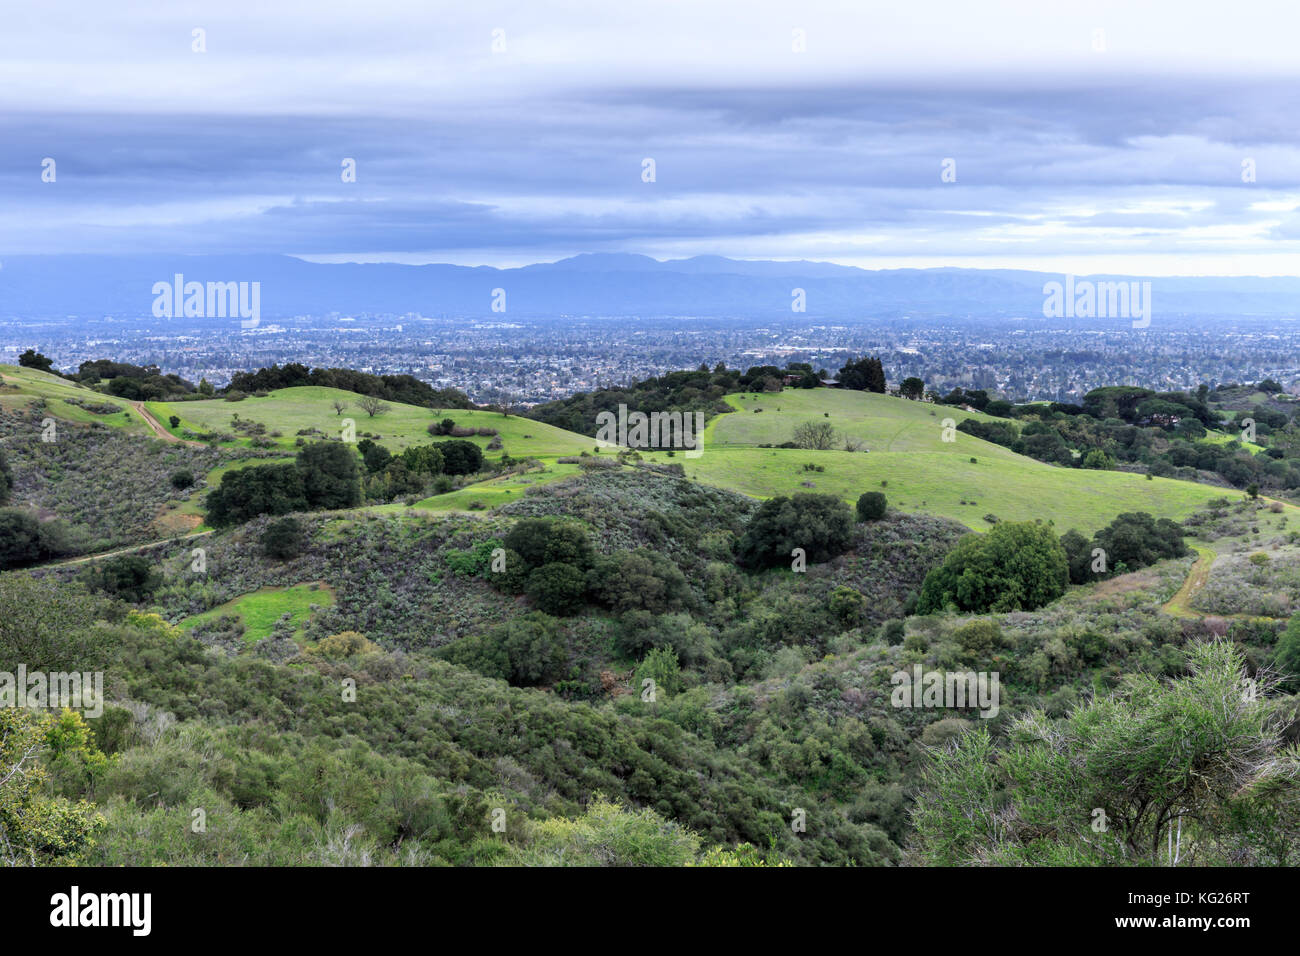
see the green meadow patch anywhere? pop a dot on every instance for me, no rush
(260, 610)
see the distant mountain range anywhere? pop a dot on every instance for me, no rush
(594, 284)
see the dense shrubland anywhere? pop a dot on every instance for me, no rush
(495, 667)
(99, 487)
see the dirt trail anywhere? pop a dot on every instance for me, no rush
(158, 429)
(116, 551)
(1180, 604)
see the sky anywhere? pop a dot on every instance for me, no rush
(1154, 138)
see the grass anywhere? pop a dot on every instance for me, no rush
(260, 610)
(1225, 438)
(289, 410)
(22, 386)
(905, 457)
(909, 461)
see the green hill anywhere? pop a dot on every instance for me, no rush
(903, 448)
(288, 411)
(903, 454)
(20, 388)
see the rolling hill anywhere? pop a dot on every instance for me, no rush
(906, 457)
(904, 452)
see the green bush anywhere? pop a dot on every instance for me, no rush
(460, 457)
(661, 666)
(822, 525)
(557, 588)
(127, 576)
(526, 651)
(1015, 566)
(871, 506)
(329, 475)
(256, 490)
(283, 539)
(541, 541)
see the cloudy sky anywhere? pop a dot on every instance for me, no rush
(1083, 136)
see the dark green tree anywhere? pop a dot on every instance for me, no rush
(20, 538)
(1015, 566)
(284, 538)
(863, 375)
(257, 490)
(871, 506)
(822, 525)
(34, 359)
(460, 457)
(1078, 552)
(130, 577)
(557, 588)
(540, 541)
(1135, 539)
(329, 475)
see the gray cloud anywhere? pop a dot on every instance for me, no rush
(464, 155)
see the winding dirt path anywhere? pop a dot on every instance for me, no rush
(158, 429)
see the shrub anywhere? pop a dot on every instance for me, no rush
(822, 525)
(978, 640)
(329, 475)
(1287, 656)
(182, 479)
(1015, 566)
(262, 489)
(1135, 539)
(283, 539)
(526, 651)
(460, 457)
(871, 506)
(641, 579)
(1134, 753)
(661, 667)
(557, 588)
(847, 606)
(892, 632)
(343, 645)
(540, 541)
(24, 539)
(128, 576)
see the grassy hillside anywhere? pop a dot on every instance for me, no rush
(21, 388)
(288, 411)
(904, 449)
(904, 454)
